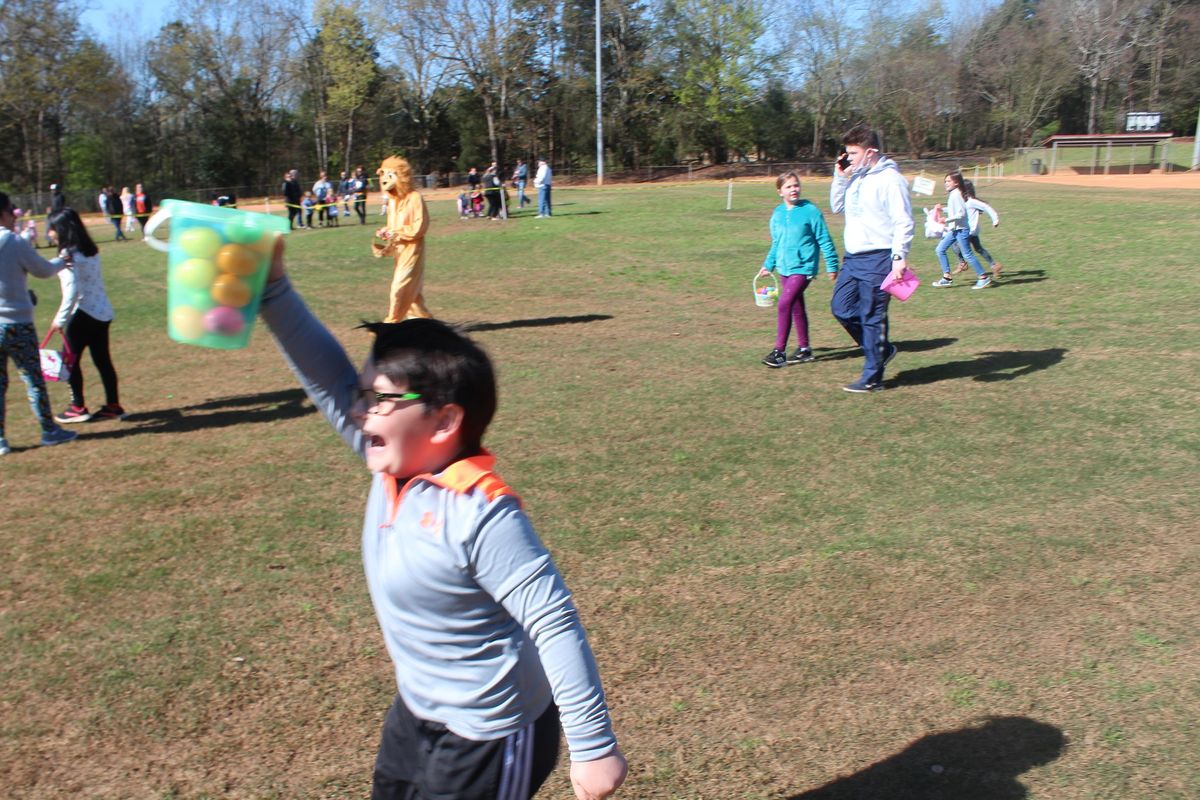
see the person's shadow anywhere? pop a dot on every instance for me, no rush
(1020, 276)
(1003, 366)
(975, 763)
(537, 322)
(907, 346)
(217, 413)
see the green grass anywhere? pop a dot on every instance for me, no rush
(793, 592)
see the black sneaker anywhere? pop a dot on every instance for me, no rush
(775, 359)
(802, 355)
(863, 387)
(891, 354)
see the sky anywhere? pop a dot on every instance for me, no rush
(110, 20)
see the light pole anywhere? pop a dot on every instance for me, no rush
(599, 107)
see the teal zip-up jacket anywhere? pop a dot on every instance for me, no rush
(798, 238)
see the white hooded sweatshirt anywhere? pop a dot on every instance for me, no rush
(877, 208)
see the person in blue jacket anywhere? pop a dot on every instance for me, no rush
(489, 652)
(799, 237)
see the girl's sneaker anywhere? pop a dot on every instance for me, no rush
(72, 415)
(945, 281)
(802, 355)
(110, 411)
(775, 359)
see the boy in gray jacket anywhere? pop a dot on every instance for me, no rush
(488, 648)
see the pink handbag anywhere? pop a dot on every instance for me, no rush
(56, 364)
(903, 288)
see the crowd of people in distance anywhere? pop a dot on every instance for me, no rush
(487, 193)
(326, 201)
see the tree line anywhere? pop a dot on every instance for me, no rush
(231, 93)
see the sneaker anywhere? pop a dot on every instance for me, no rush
(4, 448)
(802, 356)
(72, 415)
(891, 354)
(945, 281)
(982, 283)
(775, 359)
(110, 411)
(863, 387)
(57, 436)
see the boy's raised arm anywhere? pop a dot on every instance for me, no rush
(314, 355)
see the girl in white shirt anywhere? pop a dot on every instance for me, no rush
(84, 315)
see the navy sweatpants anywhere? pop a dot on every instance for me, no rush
(862, 307)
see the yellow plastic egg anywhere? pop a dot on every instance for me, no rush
(196, 273)
(237, 259)
(187, 322)
(200, 242)
(229, 290)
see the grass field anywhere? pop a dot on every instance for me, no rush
(980, 584)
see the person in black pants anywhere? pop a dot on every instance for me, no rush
(291, 197)
(84, 315)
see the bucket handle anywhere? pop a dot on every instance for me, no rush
(757, 275)
(158, 218)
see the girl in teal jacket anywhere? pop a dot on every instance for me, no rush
(798, 239)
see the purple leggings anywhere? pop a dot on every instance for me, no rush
(791, 310)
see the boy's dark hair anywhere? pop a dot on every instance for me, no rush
(430, 357)
(862, 135)
(71, 232)
(5, 203)
(782, 179)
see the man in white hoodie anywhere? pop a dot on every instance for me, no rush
(869, 189)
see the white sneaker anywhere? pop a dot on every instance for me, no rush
(982, 283)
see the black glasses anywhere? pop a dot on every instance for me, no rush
(373, 401)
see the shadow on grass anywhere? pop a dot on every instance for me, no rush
(977, 763)
(988, 367)
(1020, 276)
(538, 322)
(909, 346)
(219, 413)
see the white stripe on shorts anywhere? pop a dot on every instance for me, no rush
(518, 760)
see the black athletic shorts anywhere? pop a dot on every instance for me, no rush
(420, 760)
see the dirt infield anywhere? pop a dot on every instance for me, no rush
(1170, 180)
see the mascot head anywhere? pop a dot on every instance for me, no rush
(395, 176)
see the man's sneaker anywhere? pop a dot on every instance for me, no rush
(862, 387)
(891, 354)
(57, 436)
(109, 411)
(775, 358)
(802, 355)
(72, 415)
(4, 448)
(945, 281)
(982, 283)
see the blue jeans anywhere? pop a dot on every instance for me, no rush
(544, 201)
(18, 341)
(522, 200)
(960, 237)
(862, 307)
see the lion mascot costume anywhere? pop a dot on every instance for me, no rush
(403, 238)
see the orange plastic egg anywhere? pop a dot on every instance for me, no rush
(229, 290)
(237, 259)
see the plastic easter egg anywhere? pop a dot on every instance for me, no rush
(224, 320)
(187, 322)
(200, 241)
(229, 290)
(196, 273)
(244, 230)
(237, 259)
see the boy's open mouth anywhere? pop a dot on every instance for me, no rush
(375, 441)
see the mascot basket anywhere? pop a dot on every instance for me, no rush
(766, 295)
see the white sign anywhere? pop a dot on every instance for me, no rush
(923, 185)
